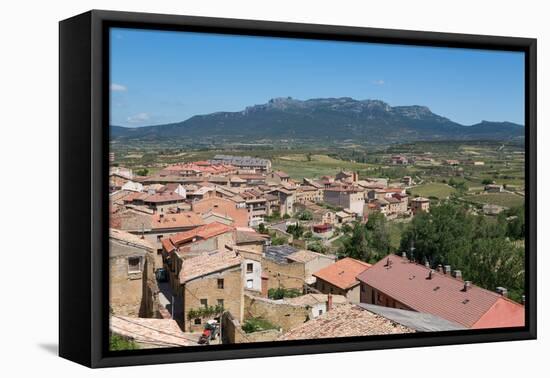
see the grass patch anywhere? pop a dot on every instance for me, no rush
(315, 166)
(434, 189)
(257, 325)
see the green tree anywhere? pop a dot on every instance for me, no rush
(117, 342)
(296, 230)
(378, 234)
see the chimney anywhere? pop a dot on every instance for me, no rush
(447, 269)
(264, 285)
(502, 291)
(404, 255)
(457, 274)
(523, 300)
(427, 263)
(440, 268)
(431, 274)
(329, 302)
(467, 285)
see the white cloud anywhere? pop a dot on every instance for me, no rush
(118, 87)
(379, 82)
(138, 118)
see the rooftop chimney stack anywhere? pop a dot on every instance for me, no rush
(447, 269)
(467, 285)
(427, 263)
(440, 268)
(523, 300)
(431, 274)
(404, 254)
(457, 274)
(329, 302)
(502, 291)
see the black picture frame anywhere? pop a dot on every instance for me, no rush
(83, 163)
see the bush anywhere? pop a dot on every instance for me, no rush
(257, 324)
(281, 293)
(117, 342)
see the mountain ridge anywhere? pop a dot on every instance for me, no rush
(324, 118)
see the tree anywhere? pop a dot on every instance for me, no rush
(142, 172)
(305, 216)
(296, 230)
(479, 247)
(117, 342)
(356, 245)
(262, 229)
(378, 234)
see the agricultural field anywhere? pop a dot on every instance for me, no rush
(508, 200)
(437, 190)
(299, 166)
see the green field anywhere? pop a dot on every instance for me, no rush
(433, 189)
(299, 166)
(500, 199)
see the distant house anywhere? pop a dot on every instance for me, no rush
(491, 209)
(396, 282)
(211, 279)
(351, 199)
(419, 204)
(286, 200)
(312, 261)
(307, 193)
(399, 160)
(132, 186)
(493, 188)
(345, 216)
(347, 176)
(340, 278)
(244, 162)
(407, 180)
(279, 177)
(251, 240)
(133, 288)
(451, 162)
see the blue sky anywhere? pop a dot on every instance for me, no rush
(160, 77)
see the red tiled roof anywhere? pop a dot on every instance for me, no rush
(178, 220)
(163, 197)
(203, 232)
(442, 295)
(342, 273)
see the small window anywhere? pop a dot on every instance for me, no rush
(249, 284)
(320, 312)
(220, 283)
(220, 302)
(198, 321)
(204, 303)
(159, 237)
(249, 268)
(134, 264)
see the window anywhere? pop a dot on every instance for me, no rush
(204, 303)
(134, 264)
(249, 284)
(249, 268)
(220, 302)
(159, 237)
(320, 312)
(220, 283)
(198, 321)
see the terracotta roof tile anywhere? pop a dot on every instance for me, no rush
(151, 332)
(178, 220)
(442, 295)
(203, 232)
(343, 273)
(345, 321)
(208, 263)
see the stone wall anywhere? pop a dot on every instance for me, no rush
(283, 315)
(288, 276)
(232, 332)
(132, 294)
